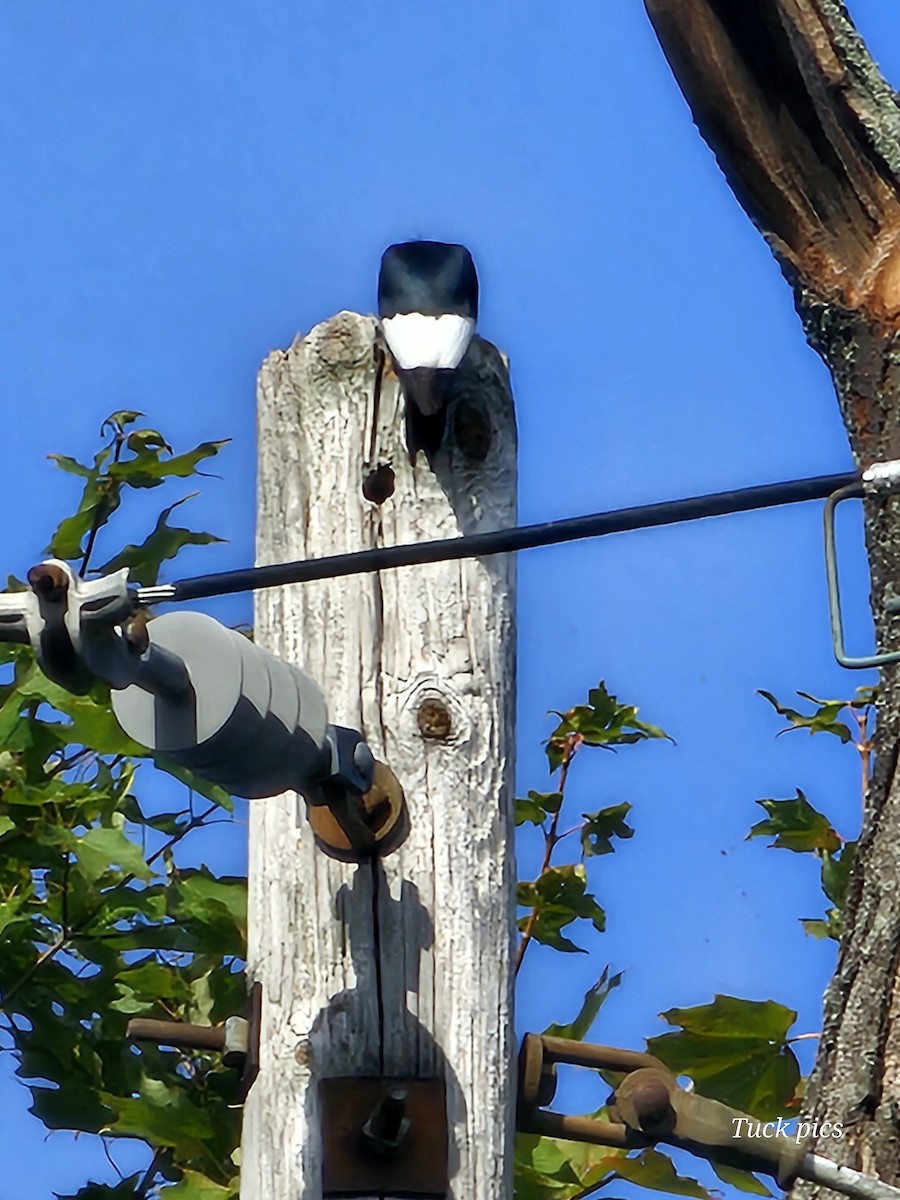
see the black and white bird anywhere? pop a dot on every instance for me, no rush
(428, 305)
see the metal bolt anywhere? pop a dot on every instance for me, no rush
(652, 1106)
(388, 1125)
(364, 759)
(49, 581)
(433, 719)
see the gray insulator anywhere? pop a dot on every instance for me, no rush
(249, 721)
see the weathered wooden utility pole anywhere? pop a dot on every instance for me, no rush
(808, 134)
(395, 967)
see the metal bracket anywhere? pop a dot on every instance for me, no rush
(237, 1039)
(198, 693)
(879, 477)
(647, 1106)
(352, 827)
(383, 1136)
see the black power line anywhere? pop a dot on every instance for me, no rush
(501, 541)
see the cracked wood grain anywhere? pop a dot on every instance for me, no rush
(401, 967)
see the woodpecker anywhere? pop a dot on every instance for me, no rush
(427, 305)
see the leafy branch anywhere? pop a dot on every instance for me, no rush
(794, 824)
(558, 895)
(98, 921)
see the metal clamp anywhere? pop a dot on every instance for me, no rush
(879, 477)
(72, 624)
(647, 1106)
(211, 701)
(237, 1039)
(384, 1136)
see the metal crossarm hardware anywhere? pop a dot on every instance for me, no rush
(876, 479)
(649, 1106)
(208, 699)
(237, 1039)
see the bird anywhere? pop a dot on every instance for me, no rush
(427, 308)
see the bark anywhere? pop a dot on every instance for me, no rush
(401, 967)
(807, 133)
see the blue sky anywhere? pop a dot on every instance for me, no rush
(188, 185)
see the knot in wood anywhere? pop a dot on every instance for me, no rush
(433, 719)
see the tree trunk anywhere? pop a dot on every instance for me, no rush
(807, 133)
(400, 966)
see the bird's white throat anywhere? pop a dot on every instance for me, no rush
(416, 340)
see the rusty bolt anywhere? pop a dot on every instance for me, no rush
(433, 719)
(388, 1125)
(48, 581)
(136, 636)
(652, 1106)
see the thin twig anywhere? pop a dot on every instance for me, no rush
(67, 865)
(102, 510)
(146, 1183)
(551, 840)
(64, 764)
(104, 1141)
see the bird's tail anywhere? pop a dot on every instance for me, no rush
(426, 409)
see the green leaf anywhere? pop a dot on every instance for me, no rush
(836, 873)
(536, 806)
(601, 827)
(118, 422)
(549, 1169)
(210, 791)
(796, 825)
(559, 897)
(744, 1181)
(819, 929)
(125, 1189)
(164, 1115)
(145, 560)
(147, 439)
(653, 1170)
(70, 465)
(148, 469)
(823, 720)
(594, 999)
(735, 1051)
(194, 1186)
(99, 501)
(11, 911)
(603, 721)
(100, 849)
(205, 903)
(91, 721)
(70, 1108)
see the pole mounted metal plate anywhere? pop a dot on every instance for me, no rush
(383, 1136)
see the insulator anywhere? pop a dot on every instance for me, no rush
(250, 722)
